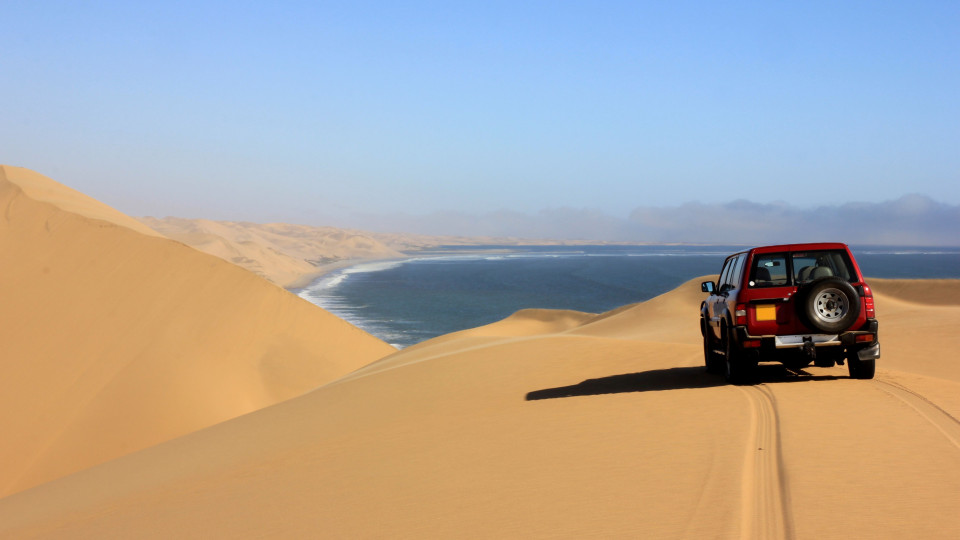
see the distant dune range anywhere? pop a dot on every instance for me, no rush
(288, 255)
(545, 424)
(294, 255)
(113, 338)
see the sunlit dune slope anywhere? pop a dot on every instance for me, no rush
(113, 339)
(288, 255)
(549, 424)
(924, 292)
(918, 325)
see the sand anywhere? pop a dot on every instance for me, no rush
(115, 339)
(558, 424)
(552, 424)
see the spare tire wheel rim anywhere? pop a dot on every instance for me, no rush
(830, 305)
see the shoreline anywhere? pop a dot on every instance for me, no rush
(299, 284)
(305, 280)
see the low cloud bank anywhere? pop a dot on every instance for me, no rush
(909, 220)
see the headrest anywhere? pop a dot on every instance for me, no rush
(821, 271)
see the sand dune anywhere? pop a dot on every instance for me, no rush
(557, 424)
(925, 292)
(113, 339)
(288, 255)
(918, 325)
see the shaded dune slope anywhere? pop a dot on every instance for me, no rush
(553, 424)
(115, 339)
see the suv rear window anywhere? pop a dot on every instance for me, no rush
(769, 270)
(783, 269)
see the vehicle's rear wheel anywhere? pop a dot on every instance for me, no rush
(739, 367)
(710, 358)
(829, 304)
(861, 369)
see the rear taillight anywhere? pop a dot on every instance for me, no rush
(741, 314)
(865, 338)
(868, 302)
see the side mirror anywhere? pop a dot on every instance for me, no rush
(708, 287)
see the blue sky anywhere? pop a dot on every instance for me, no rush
(322, 113)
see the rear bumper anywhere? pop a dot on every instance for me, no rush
(866, 350)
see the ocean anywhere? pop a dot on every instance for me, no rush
(452, 288)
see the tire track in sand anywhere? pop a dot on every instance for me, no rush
(944, 422)
(765, 512)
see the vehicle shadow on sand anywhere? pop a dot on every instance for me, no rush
(646, 381)
(677, 378)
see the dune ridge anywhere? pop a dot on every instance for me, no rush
(40, 188)
(115, 339)
(558, 424)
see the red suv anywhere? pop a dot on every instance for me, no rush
(796, 304)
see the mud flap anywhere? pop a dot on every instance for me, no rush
(869, 353)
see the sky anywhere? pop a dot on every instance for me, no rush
(437, 115)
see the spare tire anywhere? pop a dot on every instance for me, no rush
(829, 304)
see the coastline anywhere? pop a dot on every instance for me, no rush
(305, 280)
